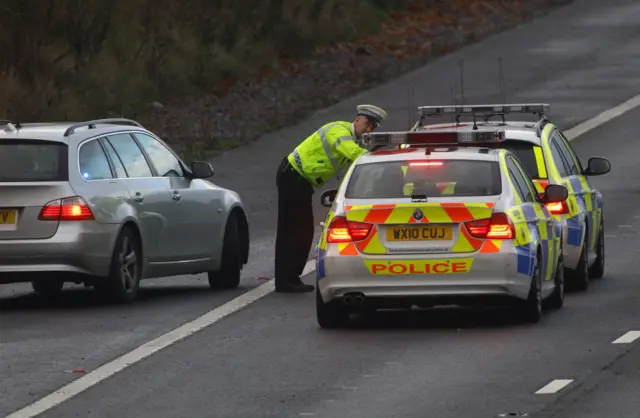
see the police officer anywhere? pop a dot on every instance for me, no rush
(315, 161)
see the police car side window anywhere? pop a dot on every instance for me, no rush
(566, 154)
(521, 182)
(527, 180)
(561, 164)
(570, 153)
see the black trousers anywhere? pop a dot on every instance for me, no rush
(295, 224)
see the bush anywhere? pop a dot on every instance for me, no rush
(79, 59)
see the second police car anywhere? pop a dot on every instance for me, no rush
(549, 158)
(386, 245)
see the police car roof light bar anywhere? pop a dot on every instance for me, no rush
(449, 137)
(493, 109)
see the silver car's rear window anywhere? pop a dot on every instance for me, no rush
(435, 178)
(33, 160)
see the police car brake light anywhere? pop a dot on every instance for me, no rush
(557, 208)
(532, 108)
(425, 163)
(341, 230)
(497, 227)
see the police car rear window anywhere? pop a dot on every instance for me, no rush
(435, 178)
(525, 153)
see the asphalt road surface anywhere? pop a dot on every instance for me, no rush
(270, 359)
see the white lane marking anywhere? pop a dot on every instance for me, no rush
(602, 118)
(109, 369)
(625, 226)
(211, 317)
(554, 386)
(627, 338)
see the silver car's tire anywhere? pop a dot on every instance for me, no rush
(228, 277)
(330, 315)
(48, 287)
(123, 282)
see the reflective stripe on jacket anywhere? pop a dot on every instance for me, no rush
(319, 157)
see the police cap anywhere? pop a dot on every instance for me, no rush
(374, 114)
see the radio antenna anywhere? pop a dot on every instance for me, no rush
(409, 115)
(461, 63)
(503, 92)
(413, 104)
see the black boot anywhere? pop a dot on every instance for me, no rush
(294, 286)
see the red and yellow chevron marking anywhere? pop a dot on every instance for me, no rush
(491, 246)
(393, 214)
(433, 212)
(348, 249)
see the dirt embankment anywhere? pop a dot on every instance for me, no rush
(214, 74)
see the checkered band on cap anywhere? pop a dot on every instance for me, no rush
(367, 112)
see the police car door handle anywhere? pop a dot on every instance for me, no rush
(176, 195)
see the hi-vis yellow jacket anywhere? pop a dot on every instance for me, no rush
(319, 157)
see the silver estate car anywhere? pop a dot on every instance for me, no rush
(396, 238)
(107, 203)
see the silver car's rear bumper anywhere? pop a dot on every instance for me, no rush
(77, 247)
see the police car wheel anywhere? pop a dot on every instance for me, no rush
(228, 277)
(330, 315)
(597, 269)
(580, 276)
(556, 300)
(531, 308)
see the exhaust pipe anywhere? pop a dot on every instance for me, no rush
(353, 299)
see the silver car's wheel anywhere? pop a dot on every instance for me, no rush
(126, 269)
(228, 277)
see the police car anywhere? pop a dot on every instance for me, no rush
(548, 157)
(490, 240)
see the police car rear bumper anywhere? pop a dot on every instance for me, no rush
(490, 275)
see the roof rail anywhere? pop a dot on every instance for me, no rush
(92, 124)
(8, 126)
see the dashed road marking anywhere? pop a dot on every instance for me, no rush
(627, 338)
(554, 386)
(140, 353)
(625, 226)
